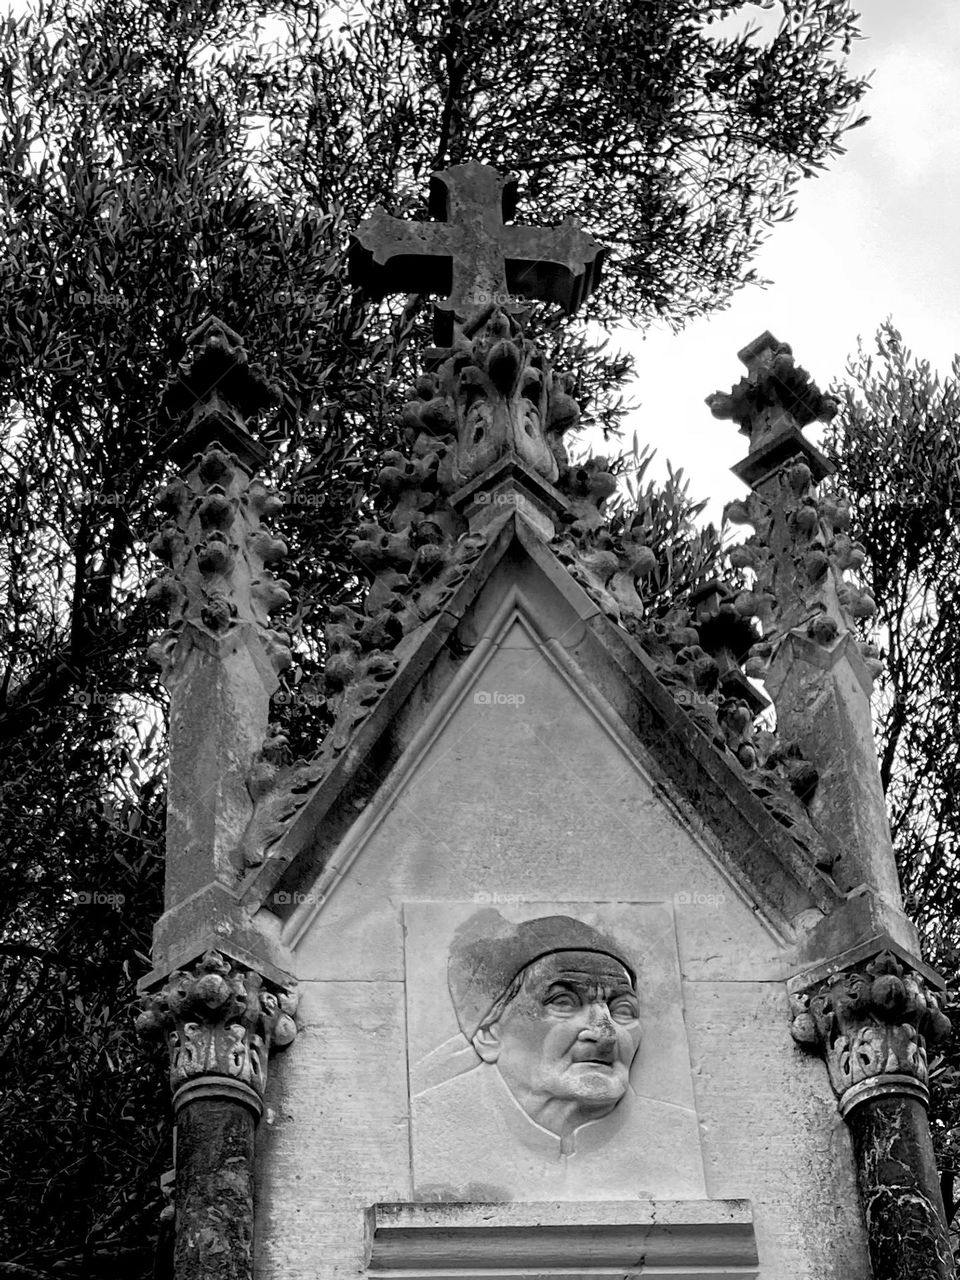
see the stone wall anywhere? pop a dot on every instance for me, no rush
(521, 787)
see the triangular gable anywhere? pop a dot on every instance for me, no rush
(518, 581)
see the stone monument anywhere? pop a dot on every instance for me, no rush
(576, 971)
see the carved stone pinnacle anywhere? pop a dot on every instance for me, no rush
(213, 393)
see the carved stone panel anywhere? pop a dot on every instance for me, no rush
(547, 1053)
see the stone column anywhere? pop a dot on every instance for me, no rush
(220, 994)
(219, 1021)
(872, 1024)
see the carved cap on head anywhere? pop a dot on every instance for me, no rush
(488, 952)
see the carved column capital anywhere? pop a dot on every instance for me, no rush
(220, 1021)
(872, 1025)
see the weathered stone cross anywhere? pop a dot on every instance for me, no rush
(469, 256)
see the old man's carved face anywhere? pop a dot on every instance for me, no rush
(564, 1037)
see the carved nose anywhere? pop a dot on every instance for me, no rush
(600, 1025)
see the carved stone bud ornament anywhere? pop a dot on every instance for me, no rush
(872, 1026)
(220, 1021)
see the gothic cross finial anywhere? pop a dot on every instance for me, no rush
(772, 405)
(470, 257)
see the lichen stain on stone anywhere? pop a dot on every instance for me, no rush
(456, 1197)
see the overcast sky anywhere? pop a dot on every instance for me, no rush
(874, 236)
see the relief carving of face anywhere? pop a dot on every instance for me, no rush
(565, 1037)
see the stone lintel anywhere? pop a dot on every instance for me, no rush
(859, 955)
(708, 1239)
(509, 483)
(865, 919)
(787, 446)
(214, 920)
(214, 428)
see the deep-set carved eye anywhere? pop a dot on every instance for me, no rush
(624, 1009)
(563, 1002)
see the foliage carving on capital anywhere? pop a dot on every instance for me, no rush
(870, 1022)
(219, 1018)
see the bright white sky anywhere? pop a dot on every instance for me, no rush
(874, 236)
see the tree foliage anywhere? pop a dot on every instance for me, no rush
(897, 450)
(162, 161)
